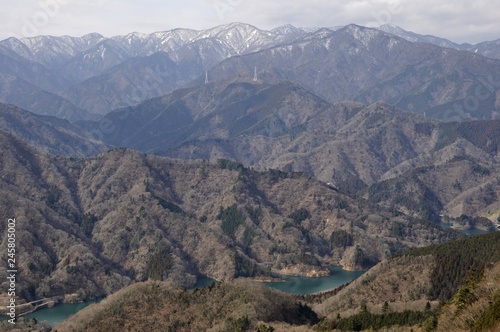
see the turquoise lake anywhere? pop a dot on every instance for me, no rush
(304, 285)
(57, 313)
(293, 285)
(472, 231)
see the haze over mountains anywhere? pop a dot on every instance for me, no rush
(47, 133)
(87, 77)
(350, 145)
(487, 48)
(275, 99)
(137, 217)
(238, 152)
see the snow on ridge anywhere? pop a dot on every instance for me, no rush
(239, 37)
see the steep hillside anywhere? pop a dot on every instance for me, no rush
(219, 111)
(368, 65)
(449, 287)
(462, 186)
(33, 87)
(135, 217)
(398, 294)
(347, 144)
(459, 176)
(476, 306)
(14, 66)
(280, 126)
(49, 134)
(98, 74)
(49, 104)
(132, 82)
(238, 306)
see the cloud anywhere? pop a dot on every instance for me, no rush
(457, 20)
(460, 21)
(27, 18)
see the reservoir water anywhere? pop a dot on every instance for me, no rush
(57, 313)
(304, 285)
(203, 282)
(472, 231)
(293, 285)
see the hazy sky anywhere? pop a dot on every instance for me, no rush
(458, 20)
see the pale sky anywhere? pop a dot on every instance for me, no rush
(459, 20)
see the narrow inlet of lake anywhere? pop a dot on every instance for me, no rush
(305, 285)
(57, 313)
(292, 285)
(470, 231)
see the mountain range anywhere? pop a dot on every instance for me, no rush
(48, 133)
(276, 100)
(355, 147)
(87, 77)
(235, 152)
(489, 49)
(366, 65)
(377, 151)
(90, 226)
(403, 293)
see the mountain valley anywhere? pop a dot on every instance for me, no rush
(93, 75)
(180, 213)
(283, 126)
(137, 165)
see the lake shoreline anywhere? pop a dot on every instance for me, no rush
(292, 284)
(301, 285)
